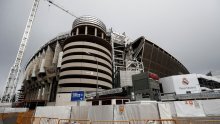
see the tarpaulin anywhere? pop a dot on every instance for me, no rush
(136, 111)
(189, 108)
(79, 112)
(60, 112)
(100, 113)
(211, 107)
(167, 111)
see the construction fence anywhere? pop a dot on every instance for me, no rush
(44, 120)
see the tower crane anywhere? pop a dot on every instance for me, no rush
(13, 76)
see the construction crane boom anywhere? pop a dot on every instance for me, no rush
(51, 2)
(13, 76)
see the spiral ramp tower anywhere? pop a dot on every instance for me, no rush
(87, 58)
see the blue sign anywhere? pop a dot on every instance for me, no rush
(77, 96)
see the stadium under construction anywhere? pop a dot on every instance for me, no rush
(91, 58)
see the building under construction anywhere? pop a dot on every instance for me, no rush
(91, 58)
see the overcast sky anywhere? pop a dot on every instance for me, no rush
(187, 29)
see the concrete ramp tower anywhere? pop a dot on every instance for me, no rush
(87, 58)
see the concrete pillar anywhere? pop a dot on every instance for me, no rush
(95, 31)
(49, 91)
(60, 59)
(58, 49)
(102, 35)
(77, 31)
(48, 57)
(43, 92)
(39, 93)
(86, 30)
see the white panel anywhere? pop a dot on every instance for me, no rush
(101, 113)
(165, 110)
(136, 111)
(190, 108)
(80, 112)
(211, 107)
(60, 112)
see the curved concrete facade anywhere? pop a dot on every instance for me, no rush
(87, 58)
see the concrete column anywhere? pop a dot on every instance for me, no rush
(58, 49)
(43, 92)
(77, 31)
(102, 35)
(86, 30)
(95, 31)
(46, 91)
(49, 91)
(39, 93)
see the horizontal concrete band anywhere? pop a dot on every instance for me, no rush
(86, 59)
(87, 51)
(84, 81)
(85, 72)
(85, 43)
(88, 65)
(83, 53)
(73, 76)
(89, 38)
(70, 89)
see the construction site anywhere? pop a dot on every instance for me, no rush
(94, 75)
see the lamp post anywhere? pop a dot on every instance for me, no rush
(97, 78)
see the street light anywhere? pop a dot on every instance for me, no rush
(97, 78)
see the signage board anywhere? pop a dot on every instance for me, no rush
(77, 96)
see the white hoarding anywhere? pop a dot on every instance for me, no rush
(190, 108)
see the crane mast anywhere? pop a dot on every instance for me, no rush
(13, 76)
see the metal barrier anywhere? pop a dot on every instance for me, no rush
(29, 120)
(71, 121)
(156, 121)
(111, 122)
(44, 120)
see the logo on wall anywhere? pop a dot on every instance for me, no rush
(121, 109)
(185, 81)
